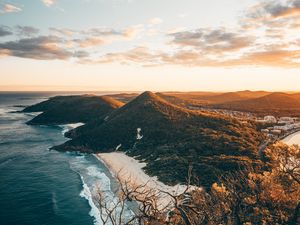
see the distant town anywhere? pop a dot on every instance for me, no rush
(279, 127)
(274, 127)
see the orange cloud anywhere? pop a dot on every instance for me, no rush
(10, 8)
(49, 3)
(146, 57)
(268, 39)
(90, 42)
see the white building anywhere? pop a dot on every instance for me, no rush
(267, 119)
(265, 131)
(286, 120)
(270, 119)
(276, 132)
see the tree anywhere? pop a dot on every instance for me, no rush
(285, 177)
(269, 196)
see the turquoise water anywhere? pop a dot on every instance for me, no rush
(38, 186)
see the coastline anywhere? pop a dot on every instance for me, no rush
(292, 139)
(130, 169)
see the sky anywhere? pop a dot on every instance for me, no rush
(158, 45)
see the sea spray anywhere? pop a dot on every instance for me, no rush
(70, 126)
(92, 181)
(93, 178)
(86, 193)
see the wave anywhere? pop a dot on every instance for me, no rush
(32, 114)
(4, 110)
(67, 127)
(92, 179)
(90, 195)
(6, 161)
(104, 183)
(25, 141)
(54, 202)
(95, 212)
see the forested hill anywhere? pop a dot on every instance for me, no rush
(169, 138)
(72, 109)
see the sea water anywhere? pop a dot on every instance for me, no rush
(39, 186)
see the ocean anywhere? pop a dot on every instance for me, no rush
(39, 186)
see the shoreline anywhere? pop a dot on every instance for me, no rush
(130, 169)
(292, 139)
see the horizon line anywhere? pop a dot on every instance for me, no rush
(140, 91)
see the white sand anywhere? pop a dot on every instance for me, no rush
(129, 168)
(293, 139)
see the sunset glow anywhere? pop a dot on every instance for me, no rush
(133, 45)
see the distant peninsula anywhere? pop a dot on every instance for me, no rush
(72, 109)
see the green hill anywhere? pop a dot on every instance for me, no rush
(72, 109)
(169, 138)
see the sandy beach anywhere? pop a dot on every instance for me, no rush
(129, 168)
(293, 139)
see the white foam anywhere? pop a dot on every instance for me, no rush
(89, 193)
(70, 126)
(33, 114)
(54, 202)
(119, 146)
(91, 178)
(103, 180)
(86, 193)
(130, 169)
(4, 110)
(94, 179)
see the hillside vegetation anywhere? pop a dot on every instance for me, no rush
(276, 103)
(210, 98)
(170, 138)
(257, 102)
(72, 109)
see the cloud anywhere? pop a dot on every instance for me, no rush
(155, 21)
(144, 57)
(89, 42)
(42, 47)
(129, 32)
(99, 36)
(149, 58)
(277, 58)
(62, 32)
(211, 40)
(132, 31)
(268, 13)
(265, 36)
(81, 54)
(61, 43)
(101, 31)
(202, 47)
(5, 31)
(140, 55)
(49, 3)
(10, 8)
(27, 31)
(277, 9)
